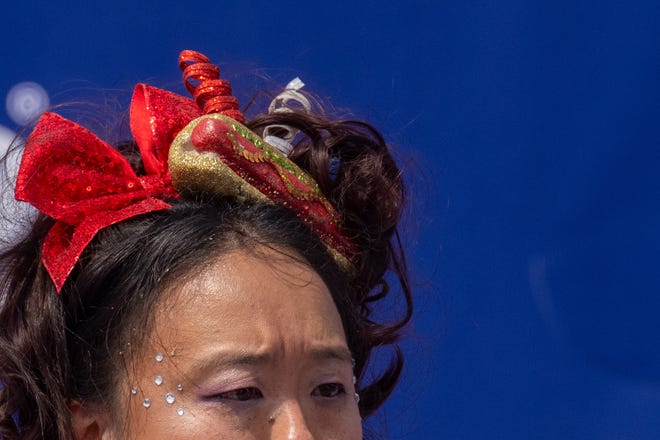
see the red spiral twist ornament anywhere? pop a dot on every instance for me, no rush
(202, 79)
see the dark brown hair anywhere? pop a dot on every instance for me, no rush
(54, 349)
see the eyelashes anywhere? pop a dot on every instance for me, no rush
(241, 394)
(329, 390)
(326, 391)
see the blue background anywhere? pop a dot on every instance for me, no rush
(529, 132)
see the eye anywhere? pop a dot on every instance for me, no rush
(329, 390)
(241, 394)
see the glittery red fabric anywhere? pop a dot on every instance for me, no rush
(72, 176)
(202, 79)
(156, 118)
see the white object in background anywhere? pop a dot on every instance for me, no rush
(6, 138)
(282, 104)
(25, 102)
(15, 216)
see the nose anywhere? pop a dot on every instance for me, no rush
(289, 423)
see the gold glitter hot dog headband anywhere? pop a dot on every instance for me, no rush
(187, 146)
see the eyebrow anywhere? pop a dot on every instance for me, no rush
(231, 359)
(241, 358)
(331, 353)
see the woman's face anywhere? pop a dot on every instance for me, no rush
(251, 349)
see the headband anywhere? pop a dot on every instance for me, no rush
(187, 146)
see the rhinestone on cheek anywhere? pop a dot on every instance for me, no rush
(134, 390)
(170, 398)
(146, 403)
(159, 357)
(179, 411)
(158, 380)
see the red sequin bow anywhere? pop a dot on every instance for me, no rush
(86, 185)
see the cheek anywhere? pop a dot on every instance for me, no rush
(336, 425)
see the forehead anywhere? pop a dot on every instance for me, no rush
(263, 302)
